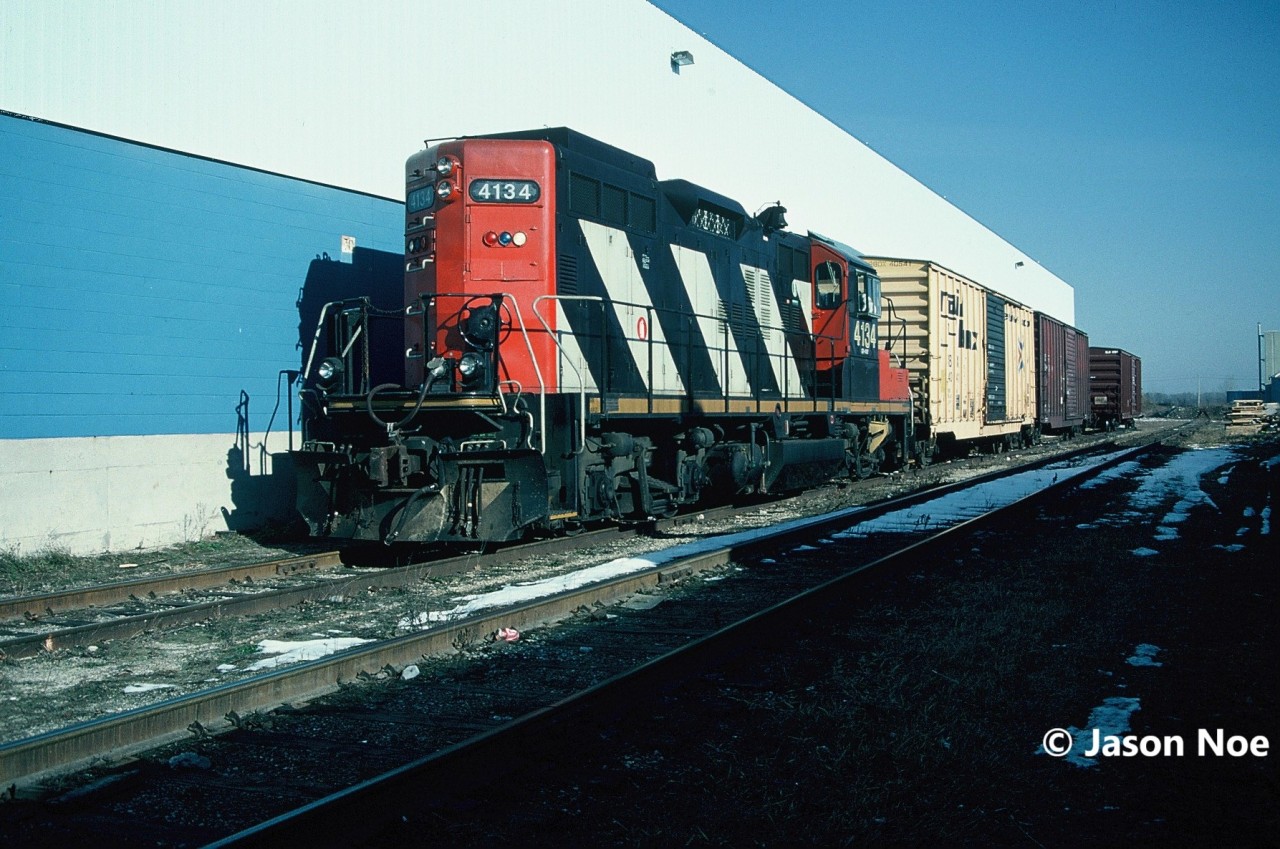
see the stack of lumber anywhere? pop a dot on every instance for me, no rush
(1245, 417)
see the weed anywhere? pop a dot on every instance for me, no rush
(24, 574)
(196, 527)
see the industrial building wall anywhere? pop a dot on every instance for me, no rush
(148, 304)
(343, 92)
(1270, 355)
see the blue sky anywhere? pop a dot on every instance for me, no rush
(1132, 148)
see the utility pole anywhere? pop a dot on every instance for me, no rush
(1261, 385)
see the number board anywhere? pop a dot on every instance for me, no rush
(714, 222)
(420, 199)
(504, 191)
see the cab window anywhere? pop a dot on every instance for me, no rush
(827, 286)
(868, 295)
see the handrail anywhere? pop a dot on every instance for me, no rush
(315, 340)
(772, 358)
(582, 383)
(537, 371)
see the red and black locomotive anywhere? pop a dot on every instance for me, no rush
(584, 342)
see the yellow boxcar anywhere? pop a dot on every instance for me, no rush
(971, 354)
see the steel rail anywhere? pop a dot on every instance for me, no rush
(101, 595)
(206, 711)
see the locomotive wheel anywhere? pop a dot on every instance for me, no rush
(862, 464)
(875, 461)
(854, 462)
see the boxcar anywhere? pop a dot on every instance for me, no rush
(1115, 388)
(970, 356)
(1062, 354)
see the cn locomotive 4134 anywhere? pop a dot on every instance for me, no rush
(584, 342)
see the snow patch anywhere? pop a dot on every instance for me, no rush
(147, 688)
(1111, 718)
(1177, 480)
(1116, 472)
(1144, 654)
(956, 507)
(295, 652)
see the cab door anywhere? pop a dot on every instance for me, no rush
(830, 274)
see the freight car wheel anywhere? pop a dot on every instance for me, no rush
(924, 453)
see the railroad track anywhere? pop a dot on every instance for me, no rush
(108, 604)
(393, 807)
(222, 707)
(237, 591)
(85, 616)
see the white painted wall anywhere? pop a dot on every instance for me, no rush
(343, 92)
(116, 493)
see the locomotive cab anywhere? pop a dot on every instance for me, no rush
(846, 310)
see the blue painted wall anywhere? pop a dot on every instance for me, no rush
(142, 291)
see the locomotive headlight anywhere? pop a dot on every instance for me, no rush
(471, 365)
(444, 190)
(445, 166)
(329, 370)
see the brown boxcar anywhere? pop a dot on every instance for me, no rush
(1062, 379)
(969, 352)
(1115, 388)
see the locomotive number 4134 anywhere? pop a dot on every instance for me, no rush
(505, 191)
